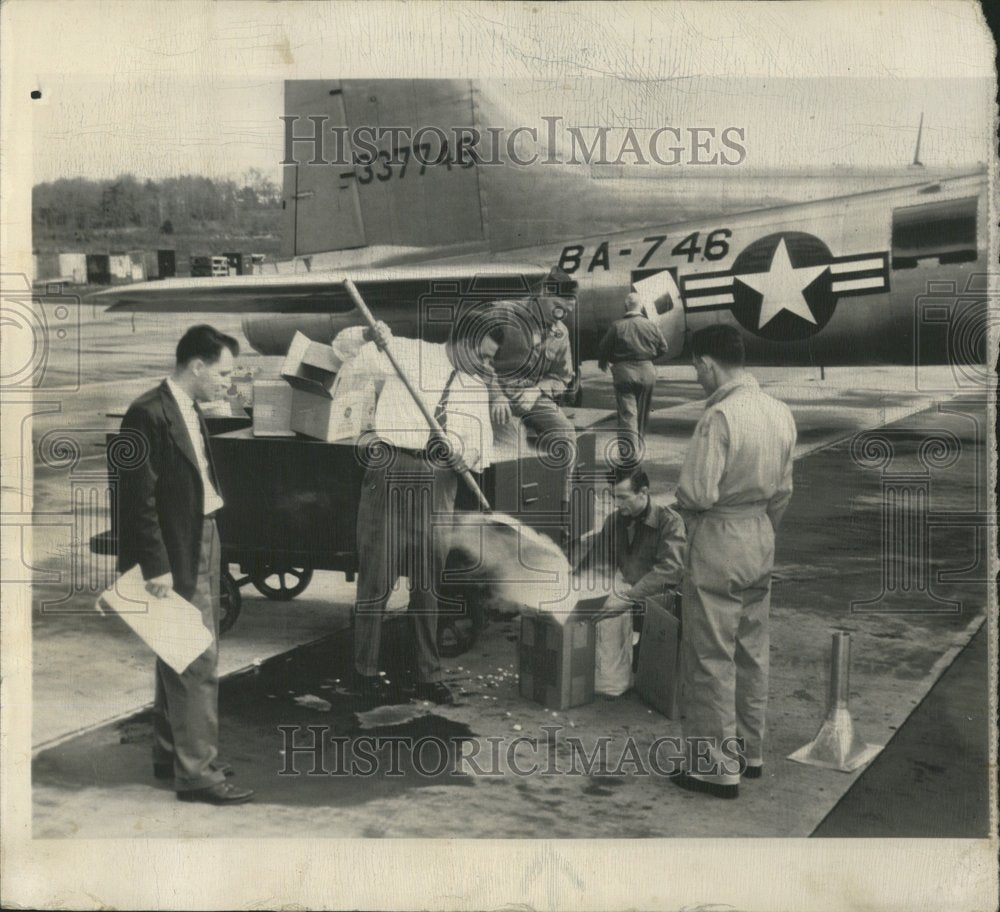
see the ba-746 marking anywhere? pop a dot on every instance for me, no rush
(715, 247)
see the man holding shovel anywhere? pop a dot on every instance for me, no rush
(411, 480)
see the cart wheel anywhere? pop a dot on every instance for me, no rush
(230, 602)
(281, 585)
(456, 636)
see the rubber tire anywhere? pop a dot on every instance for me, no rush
(259, 580)
(458, 634)
(230, 602)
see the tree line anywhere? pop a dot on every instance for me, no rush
(75, 207)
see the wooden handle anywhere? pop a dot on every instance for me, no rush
(462, 470)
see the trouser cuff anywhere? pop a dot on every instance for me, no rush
(212, 777)
(717, 780)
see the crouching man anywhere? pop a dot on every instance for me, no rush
(644, 544)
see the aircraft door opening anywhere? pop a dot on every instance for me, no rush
(663, 304)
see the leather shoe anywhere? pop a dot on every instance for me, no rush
(434, 691)
(715, 789)
(373, 690)
(166, 770)
(221, 793)
(753, 772)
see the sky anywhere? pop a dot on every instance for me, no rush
(221, 129)
(161, 90)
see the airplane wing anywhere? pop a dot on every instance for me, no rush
(323, 292)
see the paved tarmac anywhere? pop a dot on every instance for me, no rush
(933, 778)
(87, 671)
(68, 578)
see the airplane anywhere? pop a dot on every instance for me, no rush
(422, 221)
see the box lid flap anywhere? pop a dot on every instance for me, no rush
(309, 385)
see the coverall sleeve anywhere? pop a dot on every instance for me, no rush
(559, 372)
(777, 505)
(661, 342)
(666, 572)
(604, 348)
(138, 517)
(507, 380)
(704, 463)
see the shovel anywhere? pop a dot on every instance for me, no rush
(461, 468)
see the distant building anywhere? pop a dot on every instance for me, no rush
(71, 266)
(209, 266)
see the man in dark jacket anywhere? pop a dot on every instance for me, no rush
(644, 542)
(167, 501)
(630, 346)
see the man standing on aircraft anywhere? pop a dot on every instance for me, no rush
(411, 482)
(534, 367)
(734, 486)
(167, 505)
(630, 346)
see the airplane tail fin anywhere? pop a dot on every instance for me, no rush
(359, 164)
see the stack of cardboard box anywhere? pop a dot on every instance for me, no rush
(313, 397)
(556, 662)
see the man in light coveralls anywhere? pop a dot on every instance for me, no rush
(734, 486)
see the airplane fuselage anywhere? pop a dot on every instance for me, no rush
(892, 276)
(875, 277)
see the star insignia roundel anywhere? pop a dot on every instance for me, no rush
(785, 286)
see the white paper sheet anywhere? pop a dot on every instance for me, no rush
(171, 626)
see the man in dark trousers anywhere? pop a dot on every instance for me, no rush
(411, 483)
(630, 346)
(167, 503)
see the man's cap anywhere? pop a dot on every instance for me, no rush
(557, 283)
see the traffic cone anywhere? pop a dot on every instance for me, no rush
(837, 745)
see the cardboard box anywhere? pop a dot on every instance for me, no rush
(325, 405)
(657, 680)
(556, 661)
(309, 365)
(272, 409)
(329, 417)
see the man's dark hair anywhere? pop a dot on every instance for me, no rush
(205, 342)
(719, 341)
(637, 477)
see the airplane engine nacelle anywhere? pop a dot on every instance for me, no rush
(272, 334)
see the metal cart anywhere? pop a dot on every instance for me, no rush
(291, 508)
